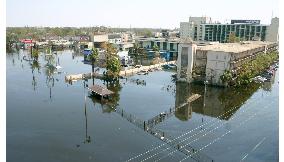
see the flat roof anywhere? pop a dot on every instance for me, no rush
(235, 24)
(174, 40)
(100, 90)
(234, 47)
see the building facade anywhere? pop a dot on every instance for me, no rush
(203, 29)
(272, 30)
(170, 45)
(209, 62)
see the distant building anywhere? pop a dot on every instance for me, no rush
(123, 46)
(114, 38)
(203, 29)
(165, 33)
(193, 28)
(27, 43)
(272, 30)
(170, 45)
(99, 39)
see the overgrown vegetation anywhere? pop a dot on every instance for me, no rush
(35, 53)
(233, 38)
(250, 69)
(112, 62)
(93, 58)
(226, 77)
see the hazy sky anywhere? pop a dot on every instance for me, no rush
(137, 13)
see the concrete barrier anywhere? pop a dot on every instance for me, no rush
(136, 70)
(82, 76)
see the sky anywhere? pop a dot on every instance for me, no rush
(133, 13)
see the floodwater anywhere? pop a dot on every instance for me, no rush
(51, 120)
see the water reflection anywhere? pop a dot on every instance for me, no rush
(30, 121)
(34, 65)
(87, 137)
(182, 94)
(110, 104)
(267, 86)
(214, 102)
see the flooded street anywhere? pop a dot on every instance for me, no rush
(51, 120)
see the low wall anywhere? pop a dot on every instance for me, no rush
(82, 76)
(136, 70)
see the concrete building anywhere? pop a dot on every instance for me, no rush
(209, 62)
(114, 38)
(193, 28)
(123, 46)
(170, 45)
(272, 30)
(203, 29)
(186, 52)
(99, 39)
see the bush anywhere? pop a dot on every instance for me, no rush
(251, 68)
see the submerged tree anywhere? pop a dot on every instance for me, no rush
(35, 53)
(112, 62)
(93, 58)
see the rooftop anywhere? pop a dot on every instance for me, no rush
(234, 47)
(100, 90)
(159, 39)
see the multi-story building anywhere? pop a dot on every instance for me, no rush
(209, 62)
(272, 30)
(193, 29)
(169, 45)
(114, 38)
(203, 29)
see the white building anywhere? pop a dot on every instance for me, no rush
(170, 45)
(272, 31)
(114, 38)
(185, 60)
(193, 28)
(209, 62)
(203, 29)
(100, 38)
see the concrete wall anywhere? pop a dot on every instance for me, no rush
(188, 49)
(199, 64)
(217, 63)
(100, 38)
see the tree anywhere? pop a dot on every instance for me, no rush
(233, 38)
(93, 58)
(147, 33)
(112, 61)
(113, 68)
(156, 49)
(35, 53)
